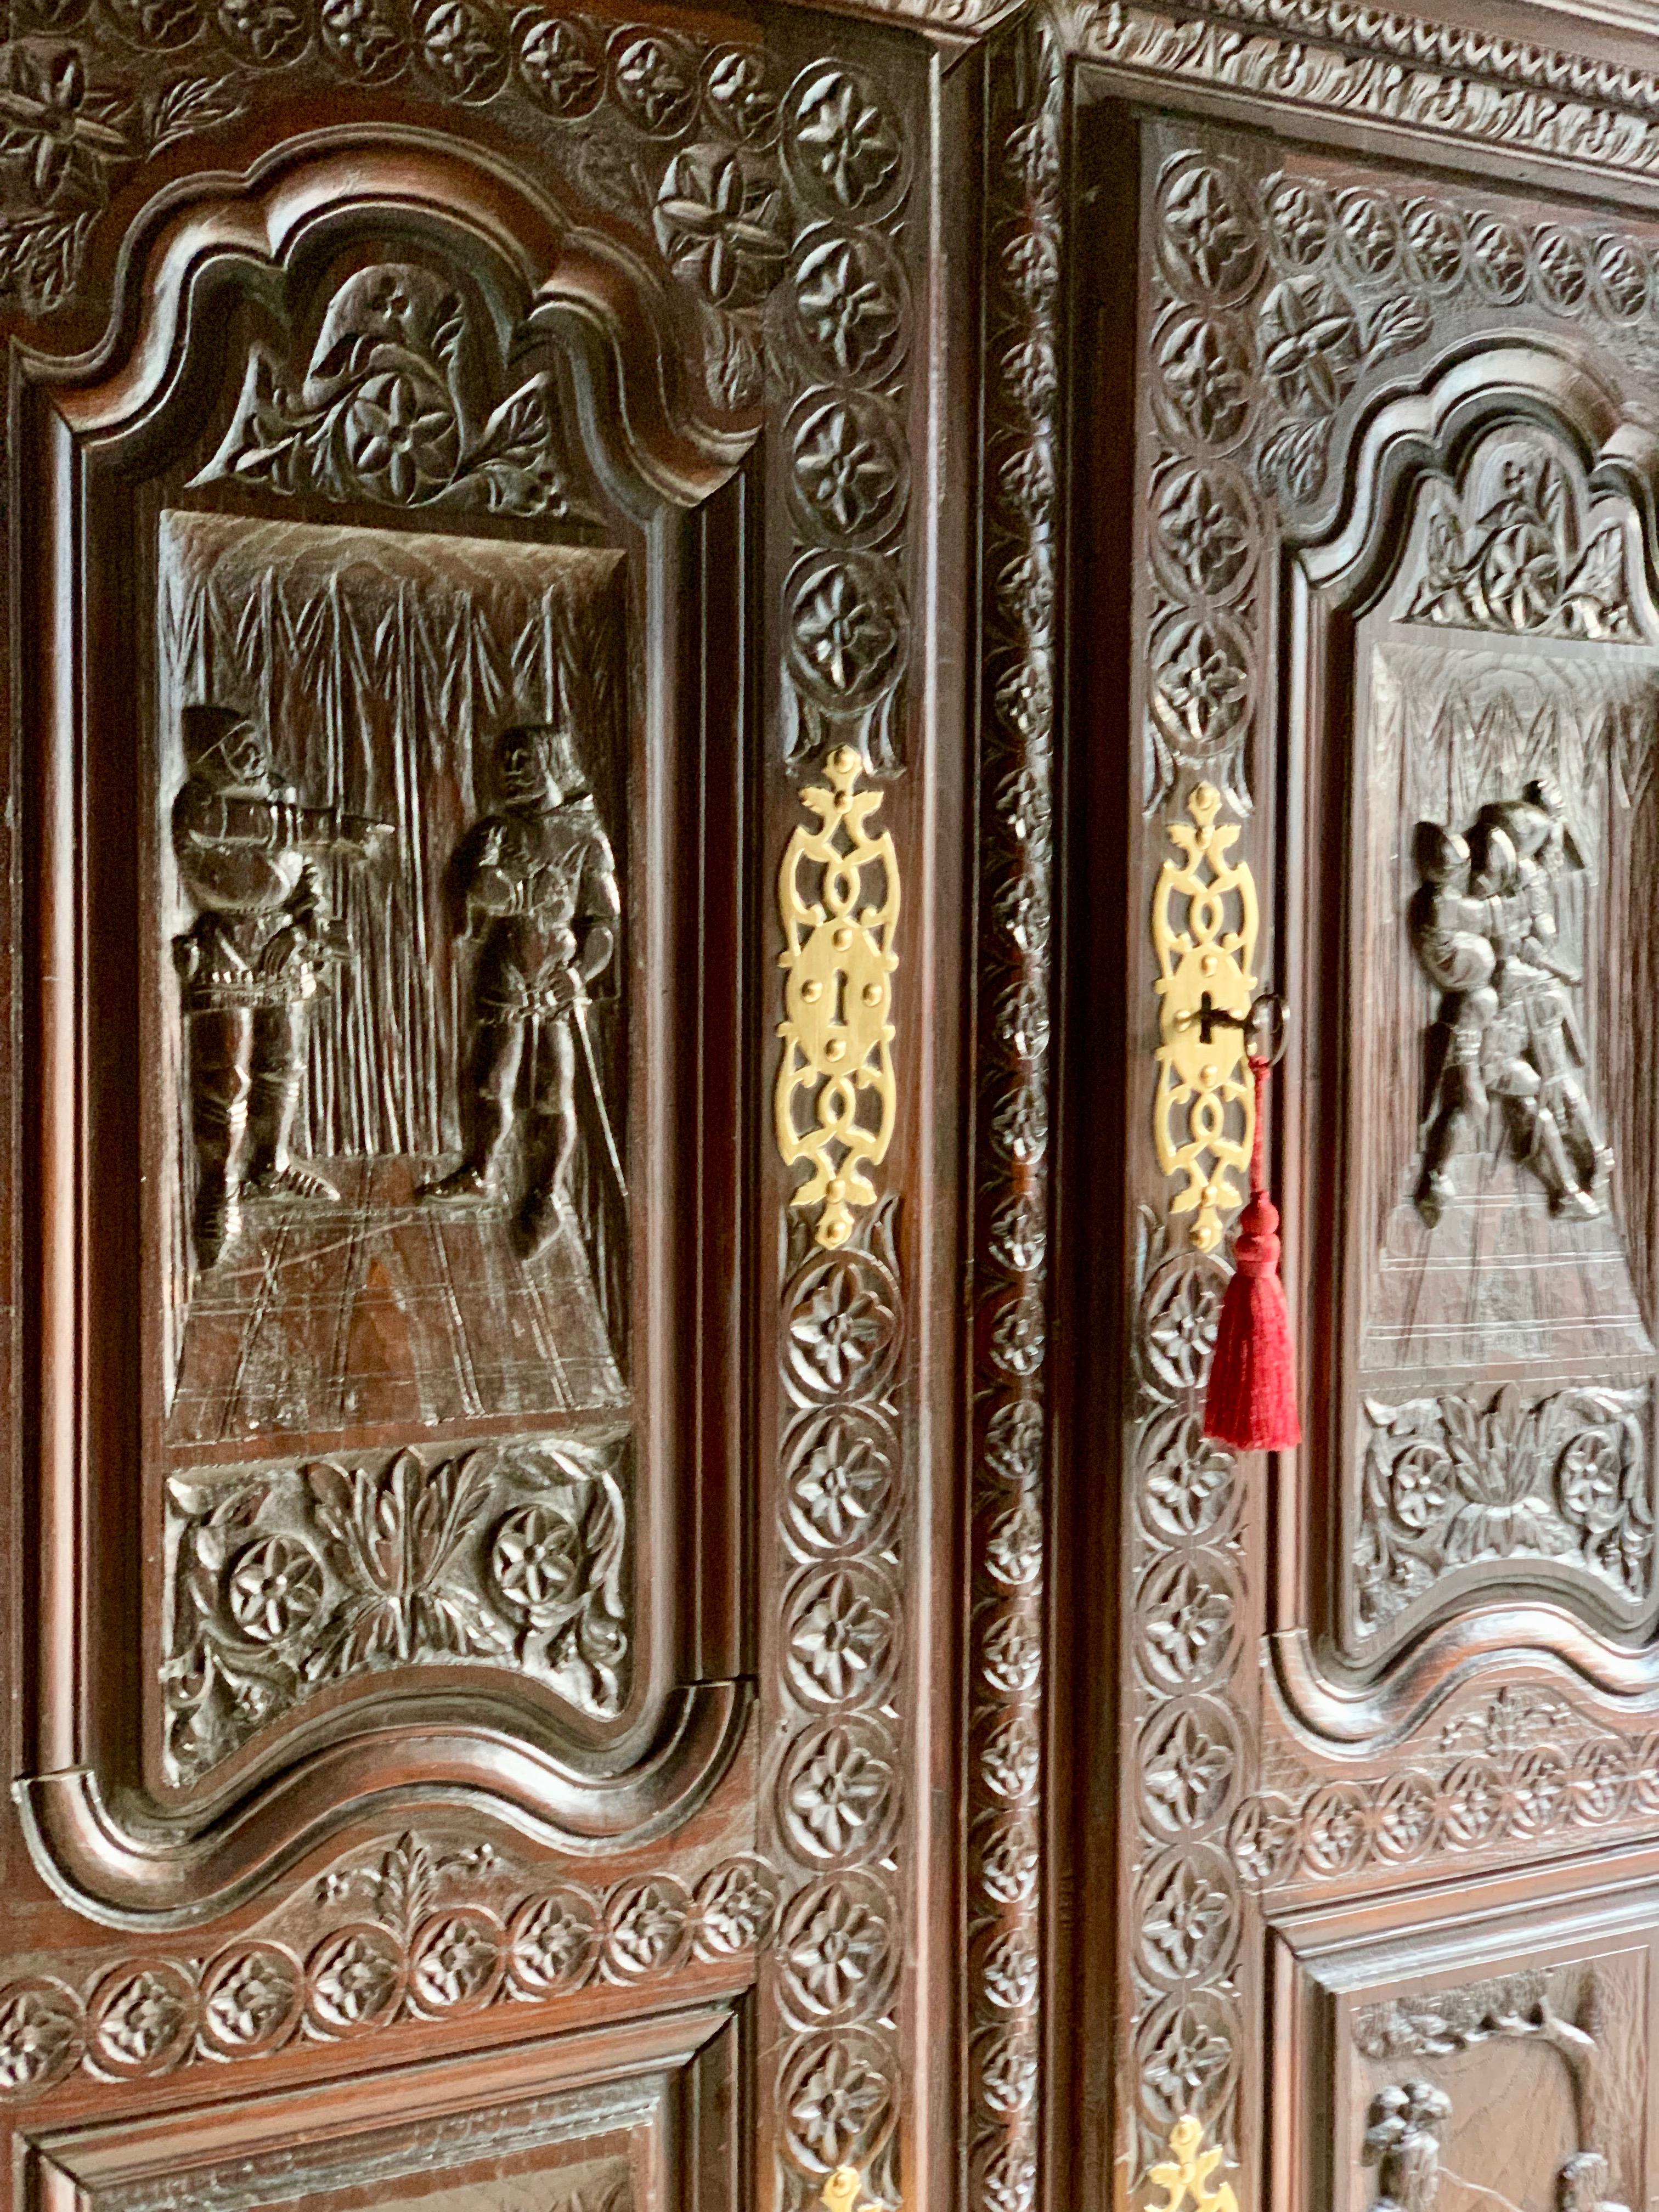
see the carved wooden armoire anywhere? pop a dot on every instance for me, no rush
(686, 692)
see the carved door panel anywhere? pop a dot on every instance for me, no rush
(1374, 557)
(485, 867)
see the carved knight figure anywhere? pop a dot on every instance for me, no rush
(1485, 930)
(253, 962)
(1402, 2140)
(539, 881)
(1448, 930)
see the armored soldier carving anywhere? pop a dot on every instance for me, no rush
(252, 963)
(1484, 927)
(539, 882)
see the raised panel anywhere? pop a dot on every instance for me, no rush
(613, 2121)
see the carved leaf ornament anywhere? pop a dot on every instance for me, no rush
(391, 407)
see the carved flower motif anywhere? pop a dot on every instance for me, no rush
(1206, 378)
(735, 1909)
(1201, 686)
(456, 1962)
(846, 301)
(838, 1795)
(1013, 1443)
(1298, 221)
(655, 83)
(1008, 2077)
(1434, 243)
(740, 95)
(843, 1326)
(1011, 1972)
(1562, 268)
(1009, 2181)
(1264, 1838)
(1621, 277)
(847, 468)
(41, 2034)
(837, 2104)
(538, 1558)
(1188, 1485)
(1213, 248)
(356, 1977)
(1012, 1761)
(1404, 1820)
(839, 1637)
(559, 65)
(844, 149)
(142, 2020)
(1011, 1660)
(1370, 231)
(718, 219)
(1592, 1479)
(1020, 1336)
(1334, 1838)
(462, 48)
(401, 436)
(647, 1927)
(366, 36)
(1009, 1864)
(1187, 1922)
(62, 135)
(1188, 1768)
(269, 32)
(1311, 347)
(250, 1999)
(1419, 1484)
(1013, 1546)
(1499, 252)
(844, 636)
(274, 1587)
(1180, 1314)
(1187, 1621)
(1188, 2058)
(836, 1953)
(554, 1939)
(841, 1480)
(1205, 533)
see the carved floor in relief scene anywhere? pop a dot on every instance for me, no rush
(384, 1308)
(1500, 1280)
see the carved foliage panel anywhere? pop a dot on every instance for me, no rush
(1520, 2078)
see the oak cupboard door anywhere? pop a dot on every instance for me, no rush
(485, 869)
(1363, 533)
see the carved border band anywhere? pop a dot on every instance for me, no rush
(1005, 1683)
(409, 1933)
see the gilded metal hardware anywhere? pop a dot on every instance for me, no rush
(1205, 921)
(1186, 2173)
(836, 1072)
(842, 2192)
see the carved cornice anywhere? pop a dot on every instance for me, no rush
(1341, 59)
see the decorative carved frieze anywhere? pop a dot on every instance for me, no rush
(1343, 61)
(284, 1581)
(416, 1930)
(1008, 1536)
(838, 1802)
(1495, 1782)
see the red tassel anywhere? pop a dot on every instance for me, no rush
(1251, 1403)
